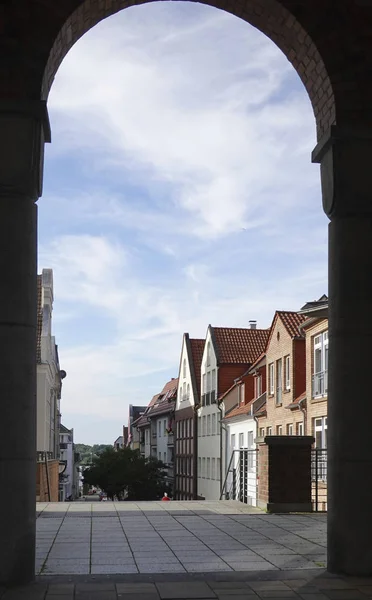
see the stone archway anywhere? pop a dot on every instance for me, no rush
(329, 45)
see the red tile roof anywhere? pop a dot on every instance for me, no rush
(292, 321)
(197, 349)
(39, 324)
(239, 410)
(239, 346)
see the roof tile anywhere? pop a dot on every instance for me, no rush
(239, 346)
(292, 321)
(197, 349)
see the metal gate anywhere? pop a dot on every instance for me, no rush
(319, 479)
(241, 477)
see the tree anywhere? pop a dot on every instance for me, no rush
(126, 474)
(87, 452)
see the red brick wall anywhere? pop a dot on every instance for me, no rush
(227, 374)
(299, 358)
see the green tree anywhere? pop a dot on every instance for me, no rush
(87, 452)
(126, 474)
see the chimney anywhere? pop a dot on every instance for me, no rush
(253, 324)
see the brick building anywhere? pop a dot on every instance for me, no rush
(188, 401)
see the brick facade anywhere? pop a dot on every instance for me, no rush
(185, 473)
(315, 407)
(280, 345)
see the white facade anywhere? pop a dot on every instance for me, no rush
(162, 446)
(209, 451)
(49, 381)
(241, 434)
(185, 393)
(71, 474)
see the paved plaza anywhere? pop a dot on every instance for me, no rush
(174, 537)
(181, 551)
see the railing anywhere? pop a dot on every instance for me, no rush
(241, 477)
(63, 446)
(170, 440)
(320, 383)
(319, 479)
(40, 456)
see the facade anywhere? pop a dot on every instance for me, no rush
(133, 434)
(285, 377)
(188, 400)
(49, 375)
(119, 443)
(70, 478)
(228, 353)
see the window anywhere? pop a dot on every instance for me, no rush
(250, 439)
(208, 468)
(258, 386)
(214, 422)
(159, 455)
(188, 392)
(204, 391)
(269, 431)
(271, 379)
(208, 354)
(199, 467)
(300, 428)
(159, 428)
(290, 429)
(233, 441)
(320, 376)
(184, 368)
(187, 428)
(213, 471)
(218, 474)
(147, 434)
(279, 430)
(241, 440)
(203, 467)
(287, 373)
(320, 432)
(218, 422)
(262, 432)
(165, 427)
(203, 425)
(191, 428)
(165, 457)
(279, 383)
(199, 425)
(214, 386)
(208, 424)
(242, 393)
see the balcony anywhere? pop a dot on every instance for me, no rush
(40, 456)
(170, 440)
(320, 384)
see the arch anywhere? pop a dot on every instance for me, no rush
(269, 16)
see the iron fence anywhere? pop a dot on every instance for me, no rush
(319, 479)
(241, 477)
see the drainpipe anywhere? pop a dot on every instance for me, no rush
(222, 427)
(303, 410)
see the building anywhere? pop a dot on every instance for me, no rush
(228, 353)
(119, 443)
(315, 328)
(133, 435)
(70, 477)
(242, 403)
(188, 401)
(49, 374)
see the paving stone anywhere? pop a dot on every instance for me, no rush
(136, 588)
(113, 569)
(176, 591)
(96, 596)
(61, 588)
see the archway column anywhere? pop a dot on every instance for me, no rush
(346, 172)
(24, 129)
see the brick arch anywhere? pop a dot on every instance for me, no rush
(269, 16)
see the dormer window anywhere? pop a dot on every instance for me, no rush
(208, 354)
(258, 386)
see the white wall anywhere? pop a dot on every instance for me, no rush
(242, 428)
(185, 394)
(147, 434)
(162, 438)
(209, 443)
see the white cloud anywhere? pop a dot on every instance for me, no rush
(192, 139)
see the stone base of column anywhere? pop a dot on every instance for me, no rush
(284, 473)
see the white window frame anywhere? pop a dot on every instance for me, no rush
(321, 425)
(208, 424)
(208, 468)
(321, 344)
(269, 431)
(213, 468)
(290, 429)
(279, 382)
(300, 428)
(204, 425)
(208, 362)
(241, 440)
(262, 432)
(233, 441)
(258, 386)
(214, 380)
(159, 428)
(242, 393)
(214, 422)
(271, 379)
(287, 367)
(184, 368)
(279, 430)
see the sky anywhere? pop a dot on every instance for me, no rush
(178, 192)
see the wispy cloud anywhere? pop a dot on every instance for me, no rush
(179, 192)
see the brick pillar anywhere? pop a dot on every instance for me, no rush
(284, 473)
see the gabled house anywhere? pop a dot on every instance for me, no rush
(188, 401)
(135, 412)
(286, 377)
(315, 328)
(228, 353)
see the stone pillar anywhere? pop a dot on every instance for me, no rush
(346, 169)
(23, 129)
(284, 473)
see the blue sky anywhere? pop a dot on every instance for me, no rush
(178, 192)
